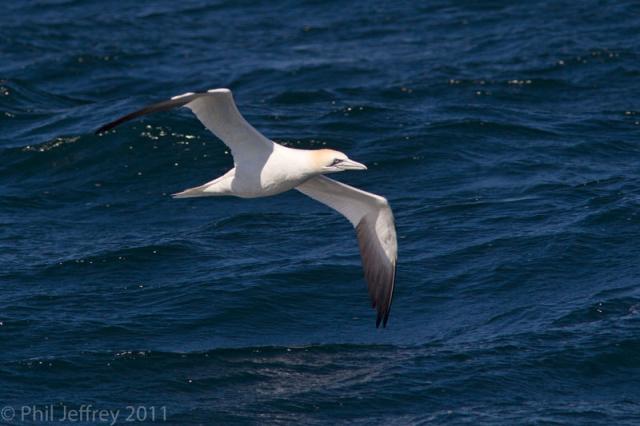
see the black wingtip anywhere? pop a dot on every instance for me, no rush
(103, 129)
(382, 318)
(174, 102)
(113, 124)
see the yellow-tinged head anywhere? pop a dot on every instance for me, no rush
(331, 161)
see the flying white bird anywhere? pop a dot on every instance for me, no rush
(263, 167)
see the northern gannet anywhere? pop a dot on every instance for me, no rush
(264, 167)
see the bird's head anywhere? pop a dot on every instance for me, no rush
(331, 161)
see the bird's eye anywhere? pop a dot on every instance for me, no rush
(336, 161)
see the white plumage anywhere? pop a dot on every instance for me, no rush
(263, 167)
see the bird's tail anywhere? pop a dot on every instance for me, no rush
(218, 186)
(198, 191)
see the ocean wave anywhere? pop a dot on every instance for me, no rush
(503, 135)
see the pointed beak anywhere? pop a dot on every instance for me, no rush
(351, 165)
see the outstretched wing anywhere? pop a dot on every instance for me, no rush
(371, 215)
(218, 112)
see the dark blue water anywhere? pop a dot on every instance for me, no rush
(505, 136)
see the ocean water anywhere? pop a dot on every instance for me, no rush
(506, 136)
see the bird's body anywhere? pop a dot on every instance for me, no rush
(278, 173)
(264, 168)
(282, 170)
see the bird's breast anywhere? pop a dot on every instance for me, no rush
(272, 179)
